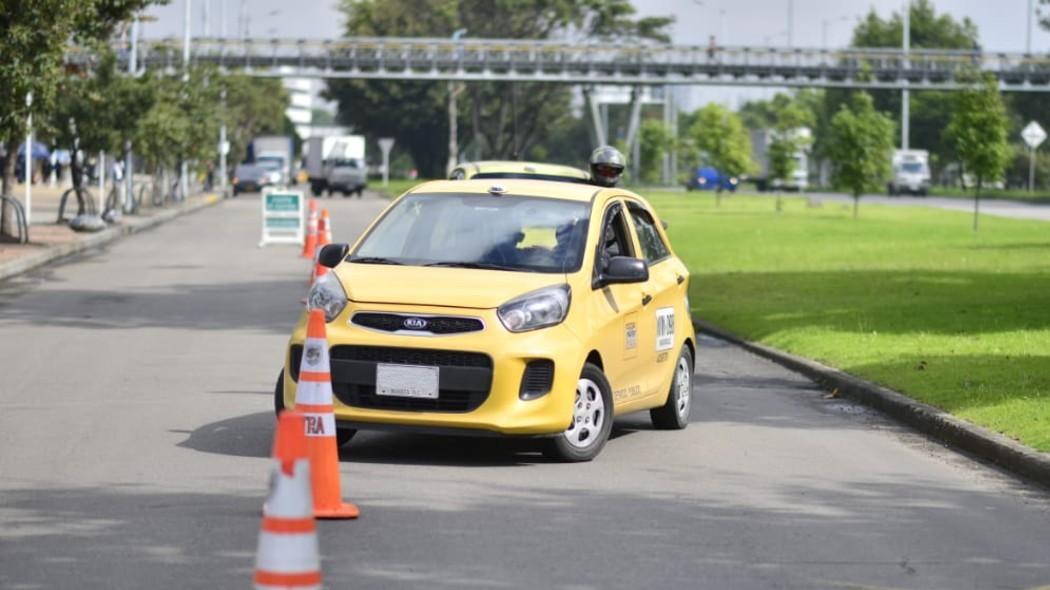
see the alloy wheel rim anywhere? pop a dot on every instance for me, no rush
(588, 415)
(683, 387)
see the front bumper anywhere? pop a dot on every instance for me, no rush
(498, 410)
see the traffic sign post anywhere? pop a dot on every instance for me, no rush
(386, 144)
(283, 213)
(1033, 135)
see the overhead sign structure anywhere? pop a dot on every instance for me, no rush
(283, 215)
(1033, 135)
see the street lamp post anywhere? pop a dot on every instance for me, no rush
(904, 92)
(29, 156)
(453, 114)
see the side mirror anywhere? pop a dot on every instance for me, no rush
(624, 269)
(332, 254)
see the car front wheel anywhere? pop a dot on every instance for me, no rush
(592, 419)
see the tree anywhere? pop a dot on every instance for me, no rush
(720, 135)
(34, 36)
(496, 120)
(791, 135)
(860, 146)
(978, 133)
(655, 141)
(929, 110)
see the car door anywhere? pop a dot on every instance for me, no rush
(616, 310)
(665, 290)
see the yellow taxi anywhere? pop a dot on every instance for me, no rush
(492, 169)
(509, 307)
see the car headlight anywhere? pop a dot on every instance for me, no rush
(537, 309)
(275, 177)
(327, 294)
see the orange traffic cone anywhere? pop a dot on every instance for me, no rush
(317, 271)
(310, 245)
(314, 400)
(326, 228)
(324, 231)
(287, 555)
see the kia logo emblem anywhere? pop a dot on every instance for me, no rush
(414, 323)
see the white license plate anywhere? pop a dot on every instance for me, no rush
(407, 381)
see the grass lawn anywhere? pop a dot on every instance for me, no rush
(395, 188)
(907, 297)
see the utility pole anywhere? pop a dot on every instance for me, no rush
(29, 156)
(129, 160)
(453, 113)
(224, 146)
(905, 123)
(183, 172)
(1028, 31)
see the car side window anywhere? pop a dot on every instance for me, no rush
(653, 246)
(615, 239)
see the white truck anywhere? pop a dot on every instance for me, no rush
(911, 173)
(799, 181)
(274, 153)
(336, 164)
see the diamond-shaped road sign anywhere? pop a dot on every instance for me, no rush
(1033, 134)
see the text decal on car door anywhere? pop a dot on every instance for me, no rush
(664, 328)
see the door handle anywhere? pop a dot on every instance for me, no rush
(680, 279)
(646, 299)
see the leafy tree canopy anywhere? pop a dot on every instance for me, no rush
(861, 143)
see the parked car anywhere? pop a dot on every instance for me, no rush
(707, 178)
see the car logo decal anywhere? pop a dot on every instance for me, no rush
(313, 355)
(414, 323)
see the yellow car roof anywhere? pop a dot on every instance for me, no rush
(512, 186)
(513, 167)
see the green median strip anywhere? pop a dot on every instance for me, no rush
(909, 298)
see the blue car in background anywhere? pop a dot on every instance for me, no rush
(708, 178)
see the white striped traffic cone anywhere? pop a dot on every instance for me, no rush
(314, 399)
(287, 556)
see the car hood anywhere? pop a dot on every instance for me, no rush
(441, 287)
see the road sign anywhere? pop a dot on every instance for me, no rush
(1033, 134)
(283, 213)
(386, 144)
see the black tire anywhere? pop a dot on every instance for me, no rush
(560, 449)
(342, 435)
(671, 415)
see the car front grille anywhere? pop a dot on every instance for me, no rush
(438, 325)
(464, 378)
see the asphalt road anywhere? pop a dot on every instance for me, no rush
(135, 424)
(993, 207)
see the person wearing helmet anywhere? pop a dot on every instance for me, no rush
(606, 165)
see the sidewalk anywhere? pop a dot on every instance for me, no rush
(49, 240)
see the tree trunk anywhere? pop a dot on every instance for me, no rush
(718, 197)
(977, 203)
(780, 201)
(856, 204)
(8, 220)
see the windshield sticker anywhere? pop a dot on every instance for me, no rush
(664, 328)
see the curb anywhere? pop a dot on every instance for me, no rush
(984, 444)
(108, 236)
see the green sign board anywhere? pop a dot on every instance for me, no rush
(283, 214)
(282, 202)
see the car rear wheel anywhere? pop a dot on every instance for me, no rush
(342, 435)
(674, 414)
(591, 420)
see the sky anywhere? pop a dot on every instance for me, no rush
(1001, 23)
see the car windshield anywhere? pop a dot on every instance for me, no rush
(270, 162)
(912, 167)
(515, 233)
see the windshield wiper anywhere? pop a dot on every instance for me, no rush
(375, 260)
(481, 265)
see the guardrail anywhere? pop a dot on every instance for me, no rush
(595, 63)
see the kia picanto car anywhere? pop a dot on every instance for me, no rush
(509, 307)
